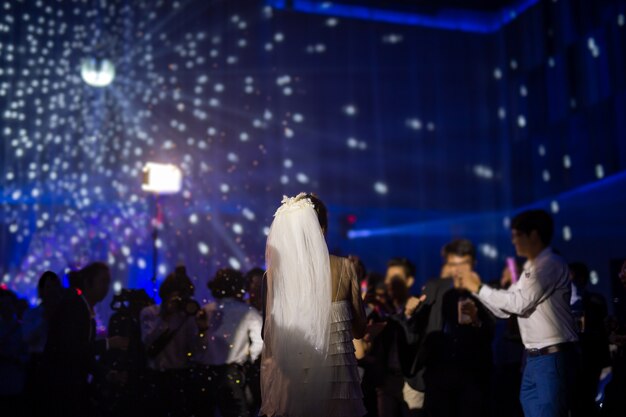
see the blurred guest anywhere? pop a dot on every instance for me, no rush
(377, 310)
(254, 287)
(378, 349)
(377, 303)
(382, 341)
(540, 300)
(36, 320)
(255, 283)
(615, 400)
(232, 340)
(590, 311)
(13, 354)
(71, 346)
(35, 332)
(452, 334)
(508, 351)
(399, 280)
(171, 333)
(122, 381)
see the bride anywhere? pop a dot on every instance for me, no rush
(313, 311)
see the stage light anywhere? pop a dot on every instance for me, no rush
(203, 248)
(97, 72)
(381, 188)
(161, 178)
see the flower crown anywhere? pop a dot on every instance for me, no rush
(291, 204)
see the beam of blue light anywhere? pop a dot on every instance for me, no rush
(447, 19)
(442, 226)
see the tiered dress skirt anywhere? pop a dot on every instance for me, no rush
(346, 396)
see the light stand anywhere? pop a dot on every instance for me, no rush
(159, 179)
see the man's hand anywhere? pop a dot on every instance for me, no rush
(468, 280)
(118, 342)
(506, 280)
(412, 304)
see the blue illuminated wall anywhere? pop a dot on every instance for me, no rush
(554, 137)
(569, 86)
(419, 134)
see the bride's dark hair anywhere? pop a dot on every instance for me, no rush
(320, 210)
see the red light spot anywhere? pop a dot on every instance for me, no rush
(351, 218)
(79, 291)
(3, 287)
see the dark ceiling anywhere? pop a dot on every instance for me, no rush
(425, 6)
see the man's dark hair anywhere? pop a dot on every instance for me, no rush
(254, 272)
(374, 280)
(91, 272)
(320, 210)
(73, 278)
(177, 281)
(539, 220)
(459, 247)
(409, 267)
(227, 283)
(45, 277)
(12, 304)
(580, 273)
(360, 269)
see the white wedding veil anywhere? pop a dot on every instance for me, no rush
(298, 308)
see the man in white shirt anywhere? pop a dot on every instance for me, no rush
(232, 338)
(540, 300)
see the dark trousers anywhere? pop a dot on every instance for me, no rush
(454, 390)
(548, 382)
(614, 398)
(67, 390)
(389, 396)
(506, 382)
(35, 387)
(253, 385)
(168, 393)
(586, 392)
(222, 387)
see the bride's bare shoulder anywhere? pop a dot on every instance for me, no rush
(334, 259)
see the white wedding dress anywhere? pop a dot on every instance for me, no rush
(332, 386)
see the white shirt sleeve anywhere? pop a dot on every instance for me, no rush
(501, 314)
(522, 297)
(255, 323)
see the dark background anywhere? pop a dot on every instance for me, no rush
(412, 133)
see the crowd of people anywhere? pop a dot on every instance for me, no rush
(534, 342)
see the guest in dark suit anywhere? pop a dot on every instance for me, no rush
(71, 347)
(590, 311)
(448, 351)
(378, 351)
